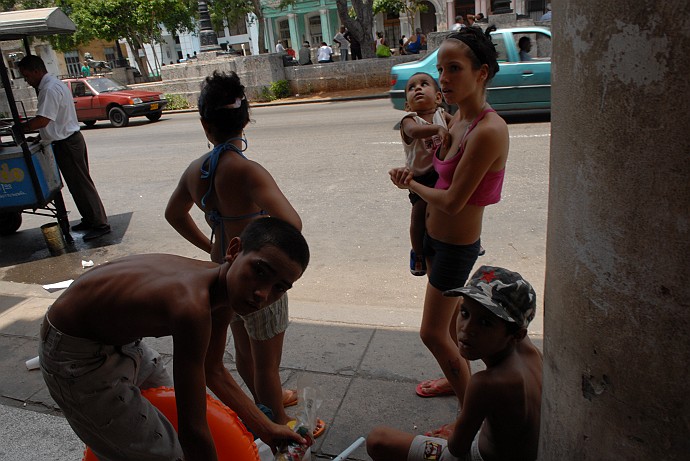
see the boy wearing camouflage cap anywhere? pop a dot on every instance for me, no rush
(502, 406)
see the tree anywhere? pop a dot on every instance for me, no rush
(361, 25)
(409, 7)
(136, 21)
(228, 11)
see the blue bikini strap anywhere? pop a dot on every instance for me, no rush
(208, 167)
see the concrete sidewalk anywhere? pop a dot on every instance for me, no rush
(366, 370)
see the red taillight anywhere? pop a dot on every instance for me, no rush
(394, 79)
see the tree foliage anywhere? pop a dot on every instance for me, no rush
(228, 11)
(409, 7)
(136, 21)
(362, 25)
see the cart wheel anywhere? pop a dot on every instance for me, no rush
(118, 117)
(89, 123)
(10, 222)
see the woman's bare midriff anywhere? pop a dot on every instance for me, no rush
(463, 228)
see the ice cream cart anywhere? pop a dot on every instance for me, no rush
(29, 178)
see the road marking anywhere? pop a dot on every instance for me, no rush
(397, 143)
(531, 136)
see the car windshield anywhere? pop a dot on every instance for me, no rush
(106, 85)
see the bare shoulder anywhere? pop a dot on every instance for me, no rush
(493, 127)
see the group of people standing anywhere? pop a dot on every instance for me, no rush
(455, 168)
(94, 361)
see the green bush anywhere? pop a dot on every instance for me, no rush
(266, 94)
(280, 89)
(176, 101)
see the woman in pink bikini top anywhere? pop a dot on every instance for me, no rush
(471, 170)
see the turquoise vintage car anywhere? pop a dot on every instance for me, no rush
(518, 86)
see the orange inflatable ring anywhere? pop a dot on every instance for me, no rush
(232, 440)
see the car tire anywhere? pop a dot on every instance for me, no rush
(118, 118)
(154, 117)
(10, 222)
(89, 123)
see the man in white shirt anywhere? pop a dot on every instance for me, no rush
(344, 44)
(547, 16)
(459, 23)
(324, 53)
(56, 122)
(279, 47)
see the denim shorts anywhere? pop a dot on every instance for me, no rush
(450, 265)
(97, 387)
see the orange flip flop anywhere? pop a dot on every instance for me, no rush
(290, 398)
(318, 430)
(434, 388)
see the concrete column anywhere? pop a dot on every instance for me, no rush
(441, 21)
(325, 27)
(450, 14)
(405, 27)
(294, 35)
(617, 289)
(271, 40)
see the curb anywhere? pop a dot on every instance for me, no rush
(293, 102)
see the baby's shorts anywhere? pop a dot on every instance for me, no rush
(427, 179)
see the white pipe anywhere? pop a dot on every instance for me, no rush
(350, 449)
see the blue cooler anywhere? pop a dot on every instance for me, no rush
(16, 189)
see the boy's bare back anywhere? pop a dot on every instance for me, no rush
(513, 388)
(136, 296)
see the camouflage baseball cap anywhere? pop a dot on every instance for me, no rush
(505, 293)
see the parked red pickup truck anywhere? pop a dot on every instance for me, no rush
(101, 98)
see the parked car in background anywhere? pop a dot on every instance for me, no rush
(518, 86)
(101, 98)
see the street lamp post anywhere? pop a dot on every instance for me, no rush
(207, 37)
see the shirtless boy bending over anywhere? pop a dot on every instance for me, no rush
(501, 410)
(95, 364)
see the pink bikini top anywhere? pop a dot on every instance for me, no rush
(488, 191)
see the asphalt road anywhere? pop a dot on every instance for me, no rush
(331, 161)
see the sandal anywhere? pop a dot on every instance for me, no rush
(318, 430)
(290, 398)
(435, 388)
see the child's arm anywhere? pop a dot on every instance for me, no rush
(191, 334)
(480, 153)
(475, 408)
(220, 381)
(177, 214)
(414, 130)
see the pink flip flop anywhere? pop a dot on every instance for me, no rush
(434, 388)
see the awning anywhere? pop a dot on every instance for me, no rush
(15, 25)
